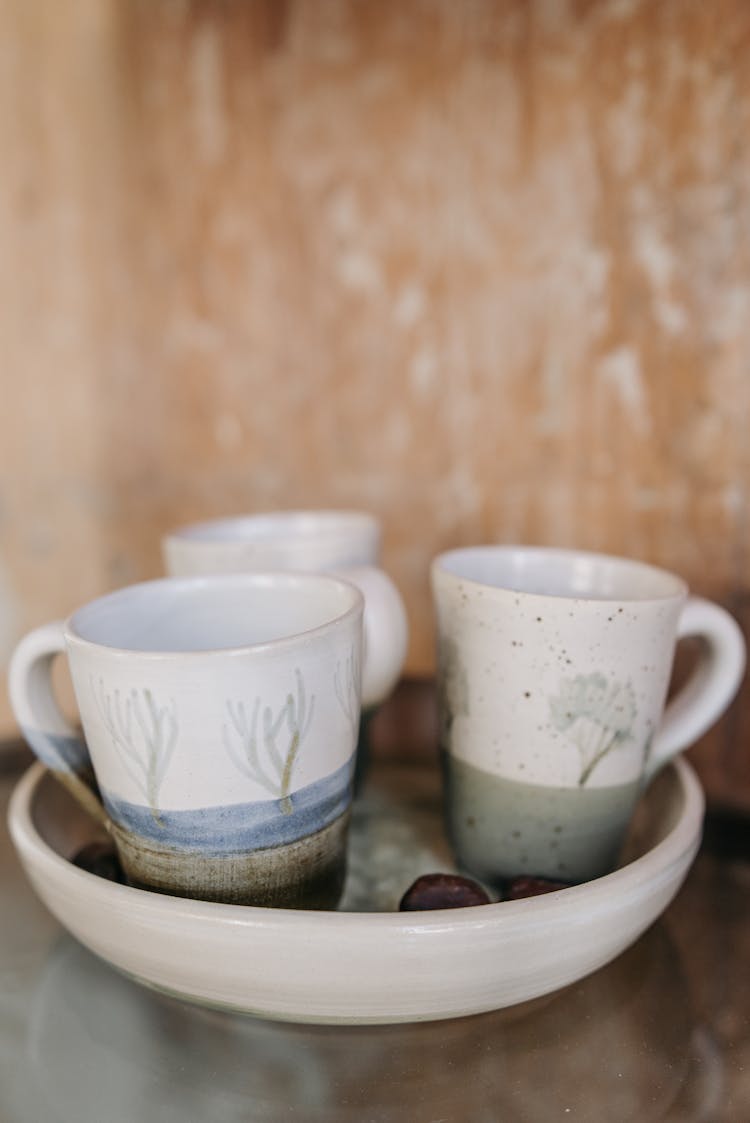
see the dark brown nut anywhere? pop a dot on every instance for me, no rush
(100, 859)
(442, 891)
(520, 887)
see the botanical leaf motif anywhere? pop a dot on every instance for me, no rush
(144, 735)
(273, 767)
(347, 682)
(596, 714)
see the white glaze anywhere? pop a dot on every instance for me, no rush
(298, 540)
(554, 664)
(357, 967)
(344, 542)
(184, 670)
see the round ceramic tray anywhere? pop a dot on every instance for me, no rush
(366, 963)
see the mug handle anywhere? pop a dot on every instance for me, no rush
(54, 741)
(710, 688)
(386, 631)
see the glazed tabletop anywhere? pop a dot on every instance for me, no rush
(661, 1033)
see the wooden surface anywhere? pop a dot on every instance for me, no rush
(482, 268)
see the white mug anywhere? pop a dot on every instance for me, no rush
(343, 542)
(221, 718)
(553, 671)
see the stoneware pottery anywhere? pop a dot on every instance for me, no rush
(298, 540)
(363, 966)
(553, 671)
(221, 717)
(345, 542)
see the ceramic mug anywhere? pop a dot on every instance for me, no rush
(220, 716)
(553, 669)
(344, 542)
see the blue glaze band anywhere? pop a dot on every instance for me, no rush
(59, 753)
(239, 827)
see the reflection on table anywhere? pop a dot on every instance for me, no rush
(100, 1046)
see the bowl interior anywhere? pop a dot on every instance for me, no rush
(397, 831)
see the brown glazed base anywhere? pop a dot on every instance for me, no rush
(306, 874)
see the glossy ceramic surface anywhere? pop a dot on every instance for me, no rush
(553, 673)
(299, 540)
(221, 715)
(345, 542)
(354, 965)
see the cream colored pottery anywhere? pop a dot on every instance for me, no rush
(362, 967)
(221, 720)
(553, 669)
(347, 543)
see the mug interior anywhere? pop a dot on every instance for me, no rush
(207, 614)
(561, 573)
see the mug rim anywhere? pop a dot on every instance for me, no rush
(284, 525)
(680, 587)
(266, 579)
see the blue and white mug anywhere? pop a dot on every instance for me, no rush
(220, 717)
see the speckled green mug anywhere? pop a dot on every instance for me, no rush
(220, 717)
(553, 672)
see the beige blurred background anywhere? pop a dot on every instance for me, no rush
(481, 267)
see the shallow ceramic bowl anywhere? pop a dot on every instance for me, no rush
(364, 966)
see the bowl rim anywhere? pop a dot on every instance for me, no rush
(654, 868)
